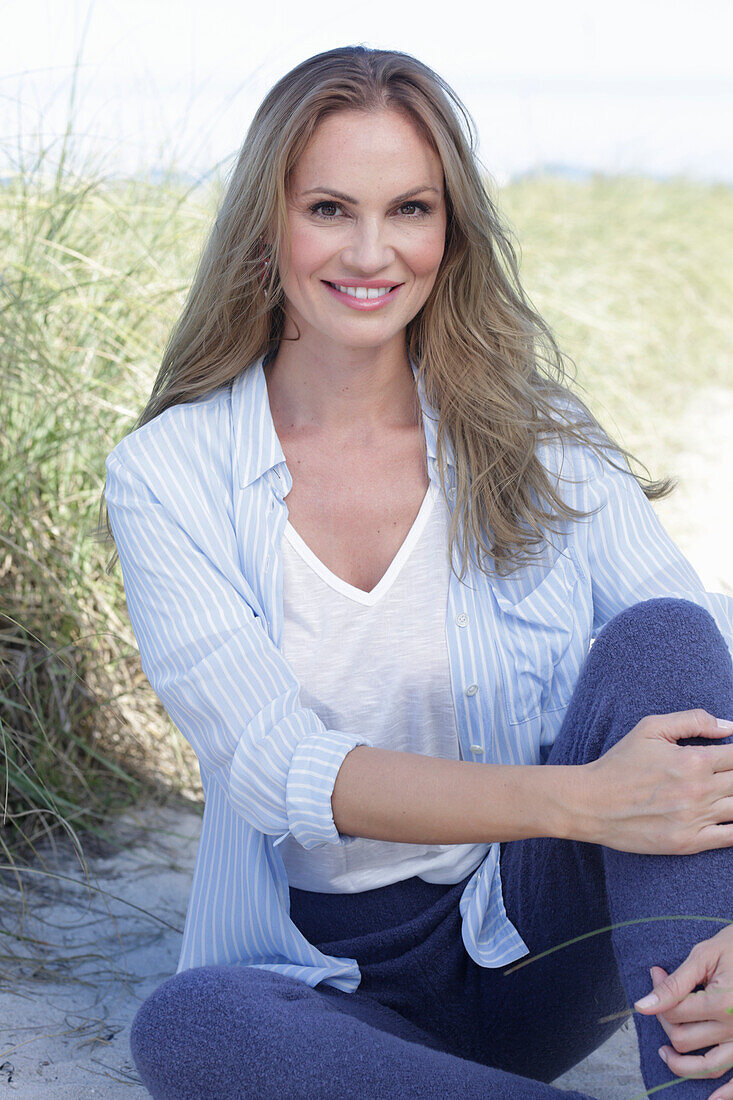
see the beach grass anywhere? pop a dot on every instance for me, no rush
(93, 274)
(634, 276)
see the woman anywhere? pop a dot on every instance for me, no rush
(366, 539)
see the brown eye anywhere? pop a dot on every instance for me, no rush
(326, 210)
(414, 209)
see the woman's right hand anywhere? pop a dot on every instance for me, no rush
(650, 795)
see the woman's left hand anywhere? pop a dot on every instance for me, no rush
(693, 1020)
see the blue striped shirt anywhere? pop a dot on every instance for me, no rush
(196, 504)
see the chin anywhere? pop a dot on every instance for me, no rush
(363, 343)
(355, 336)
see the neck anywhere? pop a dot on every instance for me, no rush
(341, 390)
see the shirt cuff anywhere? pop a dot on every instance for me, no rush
(311, 778)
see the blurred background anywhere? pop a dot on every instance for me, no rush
(604, 131)
(641, 86)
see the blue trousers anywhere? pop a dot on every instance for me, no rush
(428, 1022)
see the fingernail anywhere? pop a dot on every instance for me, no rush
(648, 1001)
(724, 724)
(663, 1055)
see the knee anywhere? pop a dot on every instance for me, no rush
(666, 631)
(183, 995)
(184, 1035)
(167, 1027)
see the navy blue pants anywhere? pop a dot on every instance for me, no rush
(426, 1021)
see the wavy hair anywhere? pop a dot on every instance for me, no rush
(489, 364)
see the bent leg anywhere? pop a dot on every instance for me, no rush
(236, 1031)
(657, 657)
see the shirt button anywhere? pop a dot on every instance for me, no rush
(478, 875)
(471, 689)
(477, 749)
(462, 619)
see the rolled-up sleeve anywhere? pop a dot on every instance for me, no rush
(224, 683)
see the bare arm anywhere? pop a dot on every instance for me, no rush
(403, 796)
(645, 794)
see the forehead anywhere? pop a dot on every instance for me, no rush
(378, 145)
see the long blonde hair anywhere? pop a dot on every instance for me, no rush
(489, 363)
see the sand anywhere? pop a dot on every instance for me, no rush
(64, 1033)
(109, 934)
(111, 940)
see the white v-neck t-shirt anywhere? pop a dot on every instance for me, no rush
(376, 663)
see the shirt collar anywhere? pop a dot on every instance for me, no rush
(257, 446)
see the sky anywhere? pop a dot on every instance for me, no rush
(633, 85)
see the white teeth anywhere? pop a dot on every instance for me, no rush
(364, 291)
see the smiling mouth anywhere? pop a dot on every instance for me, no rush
(364, 292)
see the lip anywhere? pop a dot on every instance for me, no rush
(364, 304)
(372, 284)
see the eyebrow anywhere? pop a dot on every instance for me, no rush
(354, 202)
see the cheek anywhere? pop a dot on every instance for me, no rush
(307, 252)
(427, 252)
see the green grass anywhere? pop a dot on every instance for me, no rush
(93, 276)
(634, 276)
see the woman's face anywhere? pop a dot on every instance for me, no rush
(367, 221)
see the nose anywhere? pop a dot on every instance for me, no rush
(369, 249)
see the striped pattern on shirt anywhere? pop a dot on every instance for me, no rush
(196, 504)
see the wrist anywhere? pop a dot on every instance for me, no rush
(573, 802)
